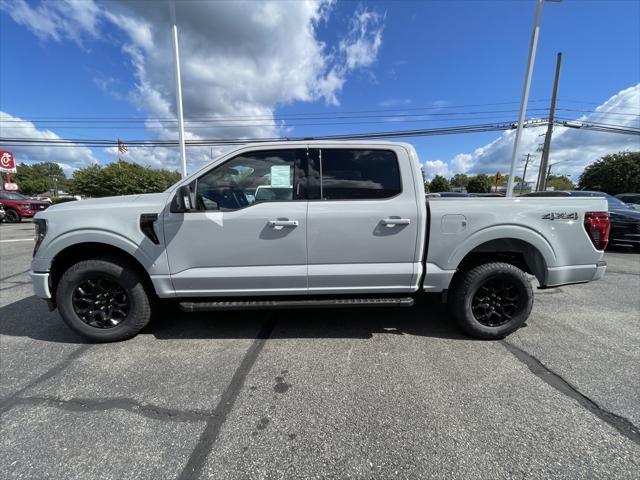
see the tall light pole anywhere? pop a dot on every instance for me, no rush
(174, 31)
(525, 92)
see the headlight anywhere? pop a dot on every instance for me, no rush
(41, 231)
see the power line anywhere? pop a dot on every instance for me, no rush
(594, 112)
(233, 141)
(450, 130)
(214, 120)
(273, 124)
(399, 109)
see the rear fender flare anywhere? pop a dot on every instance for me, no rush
(527, 235)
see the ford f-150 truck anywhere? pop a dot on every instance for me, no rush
(310, 224)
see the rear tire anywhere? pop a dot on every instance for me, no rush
(491, 300)
(103, 299)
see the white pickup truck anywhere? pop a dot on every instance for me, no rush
(310, 224)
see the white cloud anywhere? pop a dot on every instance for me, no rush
(394, 102)
(462, 162)
(108, 85)
(436, 167)
(572, 149)
(68, 158)
(364, 39)
(59, 20)
(238, 59)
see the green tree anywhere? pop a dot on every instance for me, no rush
(439, 184)
(479, 184)
(459, 180)
(560, 182)
(613, 174)
(39, 177)
(121, 179)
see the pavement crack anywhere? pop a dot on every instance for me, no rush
(100, 405)
(7, 403)
(13, 275)
(212, 429)
(14, 285)
(621, 424)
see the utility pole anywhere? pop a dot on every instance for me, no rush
(539, 177)
(542, 182)
(524, 175)
(546, 177)
(183, 152)
(54, 181)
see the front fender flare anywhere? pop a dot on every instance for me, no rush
(42, 261)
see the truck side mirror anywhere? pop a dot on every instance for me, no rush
(182, 202)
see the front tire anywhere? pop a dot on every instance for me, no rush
(491, 300)
(103, 299)
(12, 217)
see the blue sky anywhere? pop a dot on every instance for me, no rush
(112, 60)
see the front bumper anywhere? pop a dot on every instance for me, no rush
(40, 282)
(557, 276)
(27, 213)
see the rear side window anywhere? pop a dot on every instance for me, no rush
(357, 174)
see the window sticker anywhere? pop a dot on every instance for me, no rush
(281, 176)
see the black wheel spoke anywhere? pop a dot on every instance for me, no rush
(100, 302)
(495, 302)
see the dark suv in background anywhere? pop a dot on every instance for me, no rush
(625, 221)
(17, 206)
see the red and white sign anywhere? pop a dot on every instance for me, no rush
(7, 163)
(10, 186)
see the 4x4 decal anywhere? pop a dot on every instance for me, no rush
(560, 216)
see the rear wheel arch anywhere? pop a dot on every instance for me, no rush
(514, 251)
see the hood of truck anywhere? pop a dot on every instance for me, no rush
(148, 199)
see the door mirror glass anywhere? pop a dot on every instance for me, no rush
(182, 202)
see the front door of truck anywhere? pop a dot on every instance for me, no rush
(247, 234)
(362, 221)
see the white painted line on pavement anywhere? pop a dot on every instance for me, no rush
(17, 240)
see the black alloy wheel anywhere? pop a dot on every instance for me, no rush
(491, 300)
(496, 302)
(100, 302)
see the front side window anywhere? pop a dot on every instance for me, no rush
(358, 174)
(250, 178)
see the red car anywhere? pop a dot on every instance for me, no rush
(17, 206)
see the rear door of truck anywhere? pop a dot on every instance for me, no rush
(362, 220)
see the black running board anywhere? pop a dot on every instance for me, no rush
(273, 304)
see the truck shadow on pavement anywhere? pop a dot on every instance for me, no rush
(29, 317)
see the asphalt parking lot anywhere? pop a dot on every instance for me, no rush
(370, 393)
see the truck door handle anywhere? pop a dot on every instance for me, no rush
(280, 224)
(392, 222)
